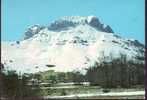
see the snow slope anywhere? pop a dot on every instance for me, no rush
(70, 43)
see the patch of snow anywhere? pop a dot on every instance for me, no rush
(89, 19)
(100, 94)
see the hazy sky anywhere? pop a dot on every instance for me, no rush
(126, 17)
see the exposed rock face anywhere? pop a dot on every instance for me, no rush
(66, 22)
(32, 31)
(108, 29)
(94, 22)
(60, 25)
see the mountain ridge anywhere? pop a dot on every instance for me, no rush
(74, 47)
(65, 22)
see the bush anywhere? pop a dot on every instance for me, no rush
(63, 92)
(106, 90)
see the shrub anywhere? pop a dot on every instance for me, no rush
(63, 92)
(106, 90)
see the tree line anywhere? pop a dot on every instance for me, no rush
(14, 86)
(118, 72)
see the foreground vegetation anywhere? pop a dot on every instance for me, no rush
(14, 87)
(118, 73)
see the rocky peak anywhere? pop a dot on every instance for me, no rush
(32, 31)
(72, 21)
(64, 23)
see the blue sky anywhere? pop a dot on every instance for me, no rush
(126, 17)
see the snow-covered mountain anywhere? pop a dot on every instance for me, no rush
(68, 44)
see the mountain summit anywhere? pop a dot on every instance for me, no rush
(74, 21)
(69, 43)
(67, 22)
